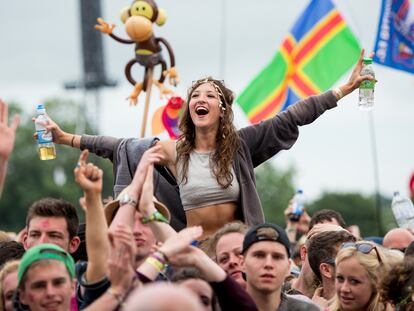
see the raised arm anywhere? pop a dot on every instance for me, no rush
(162, 231)
(7, 137)
(230, 294)
(102, 146)
(126, 212)
(89, 178)
(268, 137)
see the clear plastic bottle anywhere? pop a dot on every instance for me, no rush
(403, 210)
(46, 147)
(366, 89)
(298, 205)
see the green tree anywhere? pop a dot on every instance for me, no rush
(29, 179)
(356, 209)
(275, 188)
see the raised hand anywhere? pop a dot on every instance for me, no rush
(104, 27)
(150, 157)
(7, 133)
(87, 175)
(59, 136)
(181, 241)
(355, 79)
(121, 237)
(121, 259)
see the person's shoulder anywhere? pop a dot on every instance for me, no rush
(299, 303)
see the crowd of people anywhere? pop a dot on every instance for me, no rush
(187, 231)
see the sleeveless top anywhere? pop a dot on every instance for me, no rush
(202, 188)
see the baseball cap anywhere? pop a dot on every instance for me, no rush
(256, 234)
(45, 251)
(112, 207)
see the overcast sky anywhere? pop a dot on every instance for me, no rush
(41, 49)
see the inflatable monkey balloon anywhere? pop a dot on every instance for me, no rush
(139, 18)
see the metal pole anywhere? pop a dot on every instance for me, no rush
(223, 31)
(376, 172)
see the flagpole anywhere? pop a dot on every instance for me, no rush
(377, 197)
(223, 40)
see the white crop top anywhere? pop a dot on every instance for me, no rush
(202, 188)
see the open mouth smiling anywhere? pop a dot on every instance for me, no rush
(201, 111)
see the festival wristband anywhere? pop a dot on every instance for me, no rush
(155, 263)
(160, 257)
(156, 216)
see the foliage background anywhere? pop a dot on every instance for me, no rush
(29, 179)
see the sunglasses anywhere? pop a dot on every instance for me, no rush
(364, 248)
(330, 261)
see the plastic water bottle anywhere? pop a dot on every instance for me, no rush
(46, 147)
(403, 211)
(298, 205)
(366, 89)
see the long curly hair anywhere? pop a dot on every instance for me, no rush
(227, 139)
(397, 286)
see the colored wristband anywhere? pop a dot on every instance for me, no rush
(156, 216)
(159, 266)
(160, 257)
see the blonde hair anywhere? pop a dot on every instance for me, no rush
(231, 227)
(8, 268)
(5, 236)
(374, 265)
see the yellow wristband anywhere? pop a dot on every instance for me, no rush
(155, 263)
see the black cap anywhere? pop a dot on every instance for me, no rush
(255, 235)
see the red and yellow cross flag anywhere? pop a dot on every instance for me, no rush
(319, 49)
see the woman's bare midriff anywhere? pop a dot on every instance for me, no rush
(212, 217)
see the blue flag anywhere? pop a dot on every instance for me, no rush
(394, 46)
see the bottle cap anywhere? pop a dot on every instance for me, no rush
(367, 61)
(41, 109)
(396, 193)
(299, 191)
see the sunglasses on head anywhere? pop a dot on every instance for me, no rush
(330, 261)
(364, 248)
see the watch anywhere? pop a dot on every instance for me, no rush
(127, 199)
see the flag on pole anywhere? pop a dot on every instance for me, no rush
(394, 46)
(319, 49)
